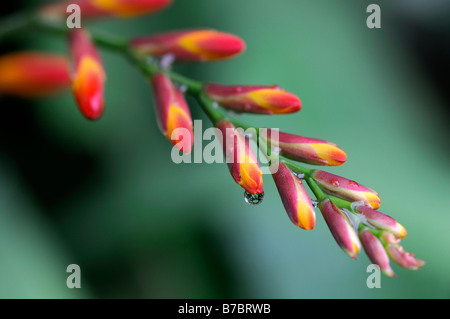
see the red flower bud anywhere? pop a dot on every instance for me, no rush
(191, 45)
(241, 160)
(345, 188)
(295, 199)
(375, 250)
(254, 99)
(340, 227)
(89, 78)
(403, 258)
(172, 113)
(32, 74)
(105, 8)
(381, 221)
(308, 150)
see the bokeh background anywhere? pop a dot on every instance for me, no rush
(106, 195)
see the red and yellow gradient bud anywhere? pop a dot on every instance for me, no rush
(104, 8)
(173, 113)
(375, 250)
(89, 76)
(347, 189)
(308, 150)
(241, 159)
(191, 45)
(295, 199)
(403, 258)
(381, 221)
(254, 99)
(33, 74)
(340, 227)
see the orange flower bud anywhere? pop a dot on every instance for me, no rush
(191, 45)
(172, 112)
(403, 258)
(254, 99)
(241, 160)
(295, 199)
(32, 74)
(381, 221)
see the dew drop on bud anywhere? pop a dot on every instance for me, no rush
(353, 184)
(315, 203)
(253, 199)
(335, 182)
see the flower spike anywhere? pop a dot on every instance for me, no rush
(308, 150)
(172, 113)
(33, 74)
(295, 199)
(375, 250)
(241, 160)
(89, 79)
(191, 45)
(105, 8)
(340, 227)
(345, 188)
(254, 99)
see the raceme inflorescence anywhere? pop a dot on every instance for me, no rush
(349, 209)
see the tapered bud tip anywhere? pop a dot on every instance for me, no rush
(375, 251)
(33, 74)
(401, 231)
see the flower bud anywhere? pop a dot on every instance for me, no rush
(172, 113)
(241, 160)
(254, 99)
(403, 258)
(89, 78)
(308, 150)
(104, 8)
(191, 45)
(375, 250)
(340, 227)
(295, 199)
(347, 189)
(32, 74)
(381, 221)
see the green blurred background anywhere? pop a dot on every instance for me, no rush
(106, 195)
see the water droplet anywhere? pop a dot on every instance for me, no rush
(315, 203)
(215, 105)
(335, 182)
(253, 199)
(353, 205)
(238, 89)
(247, 107)
(183, 88)
(167, 60)
(299, 175)
(353, 184)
